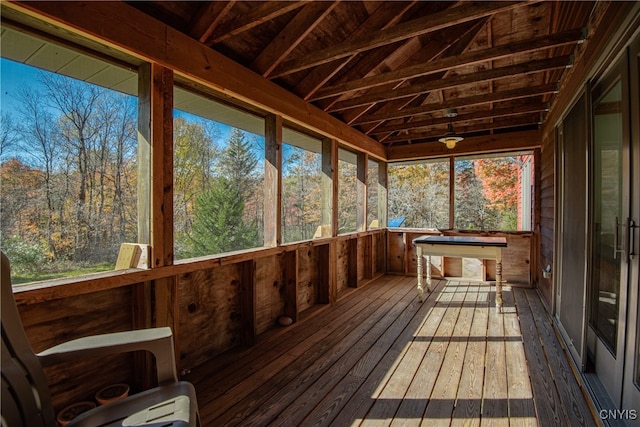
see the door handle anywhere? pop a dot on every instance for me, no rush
(616, 239)
(631, 238)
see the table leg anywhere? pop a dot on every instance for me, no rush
(419, 262)
(499, 281)
(429, 273)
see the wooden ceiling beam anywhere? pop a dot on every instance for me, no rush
(462, 79)
(307, 18)
(450, 41)
(445, 64)
(511, 141)
(439, 45)
(416, 27)
(258, 15)
(377, 21)
(208, 17)
(461, 102)
(499, 123)
(476, 115)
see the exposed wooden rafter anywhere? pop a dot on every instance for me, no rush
(413, 28)
(389, 69)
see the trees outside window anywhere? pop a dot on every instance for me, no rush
(490, 193)
(218, 177)
(347, 191)
(372, 194)
(419, 194)
(68, 172)
(301, 186)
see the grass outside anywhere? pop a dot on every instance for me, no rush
(24, 277)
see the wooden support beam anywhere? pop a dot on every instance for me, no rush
(361, 191)
(330, 187)
(248, 302)
(326, 271)
(416, 27)
(448, 43)
(461, 79)
(376, 21)
(477, 115)
(155, 141)
(452, 195)
(352, 262)
(446, 64)
(257, 16)
(486, 98)
(493, 124)
(208, 17)
(307, 18)
(524, 140)
(383, 191)
(273, 181)
(290, 279)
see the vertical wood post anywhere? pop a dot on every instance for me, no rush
(452, 199)
(536, 246)
(329, 187)
(290, 279)
(155, 189)
(382, 194)
(248, 302)
(361, 198)
(273, 181)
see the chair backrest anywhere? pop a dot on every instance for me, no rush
(26, 400)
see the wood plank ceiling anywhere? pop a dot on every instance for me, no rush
(391, 68)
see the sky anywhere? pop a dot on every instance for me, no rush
(12, 76)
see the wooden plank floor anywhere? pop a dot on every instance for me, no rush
(379, 357)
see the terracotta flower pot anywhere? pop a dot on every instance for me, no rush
(112, 393)
(70, 412)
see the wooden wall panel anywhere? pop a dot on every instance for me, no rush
(53, 322)
(380, 249)
(547, 214)
(270, 292)
(396, 250)
(363, 253)
(307, 277)
(516, 259)
(210, 313)
(342, 264)
(452, 267)
(473, 268)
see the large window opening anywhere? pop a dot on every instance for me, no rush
(347, 191)
(218, 177)
(493, 192)
(373, 203)
(419, 194)
(68, 159)
(490, 192)
(301, 186)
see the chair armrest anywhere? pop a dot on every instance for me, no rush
(158, 341)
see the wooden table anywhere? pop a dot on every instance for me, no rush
(462, 247)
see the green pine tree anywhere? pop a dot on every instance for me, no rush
(237, 162)
(218, 221)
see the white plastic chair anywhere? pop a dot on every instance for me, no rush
(26, 400)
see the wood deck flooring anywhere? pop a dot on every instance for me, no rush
(380, 358)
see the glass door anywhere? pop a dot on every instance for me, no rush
(631, 384)
(610, 186)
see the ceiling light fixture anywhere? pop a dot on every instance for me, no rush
(450, 139)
